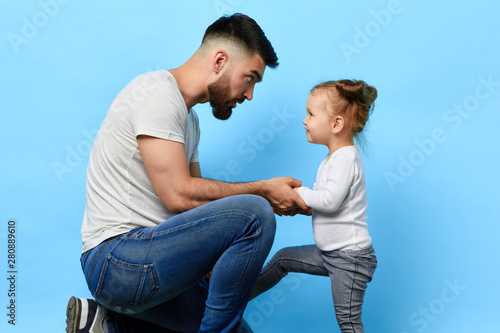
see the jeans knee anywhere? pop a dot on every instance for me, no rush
(261, 209)
(289, 253)
(278, 262)
(282, 254)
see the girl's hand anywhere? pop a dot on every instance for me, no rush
(280, 194)
(307, 211)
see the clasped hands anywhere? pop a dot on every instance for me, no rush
(282, 194)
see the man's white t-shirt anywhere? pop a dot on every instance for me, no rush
(338, 200)
(120, 196)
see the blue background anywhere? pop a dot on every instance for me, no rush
(431, 159)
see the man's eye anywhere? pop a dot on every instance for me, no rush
(249, 79)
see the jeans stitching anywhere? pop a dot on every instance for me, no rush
(83, 258)
(226, 214)
(254, 219)
(155, 287)
(351, 292)
(294, 261)
(98, 288)
(96, 257)
(144, 270)
(258, 231)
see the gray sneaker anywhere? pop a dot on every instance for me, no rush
(84, 316)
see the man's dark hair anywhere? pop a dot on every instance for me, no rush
(244, 31)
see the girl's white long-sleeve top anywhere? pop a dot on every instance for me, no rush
(338, 200)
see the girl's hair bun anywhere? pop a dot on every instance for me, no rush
(357, 91)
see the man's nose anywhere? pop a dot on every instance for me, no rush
(248, 93)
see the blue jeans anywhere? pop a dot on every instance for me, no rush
(158, 274)
(349, 272)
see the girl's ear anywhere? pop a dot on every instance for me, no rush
(337, 124)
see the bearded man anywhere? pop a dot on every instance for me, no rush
(153, 228)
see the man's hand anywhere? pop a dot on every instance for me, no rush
(284, 200)
(307, 212)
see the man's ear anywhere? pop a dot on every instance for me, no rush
(220, 60)
(337, 124)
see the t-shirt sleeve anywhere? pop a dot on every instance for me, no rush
(195, 156)
(156, 111)
(336, 181)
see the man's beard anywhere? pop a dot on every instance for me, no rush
(219, 94)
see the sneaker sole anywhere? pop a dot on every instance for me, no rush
(72, 317)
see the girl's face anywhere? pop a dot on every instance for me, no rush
(318, 122)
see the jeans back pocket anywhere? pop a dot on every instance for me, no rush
(125, 284)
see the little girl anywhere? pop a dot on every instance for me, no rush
(337, 112)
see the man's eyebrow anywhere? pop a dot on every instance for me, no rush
(258, 75)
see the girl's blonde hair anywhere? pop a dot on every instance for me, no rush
(351, 99)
